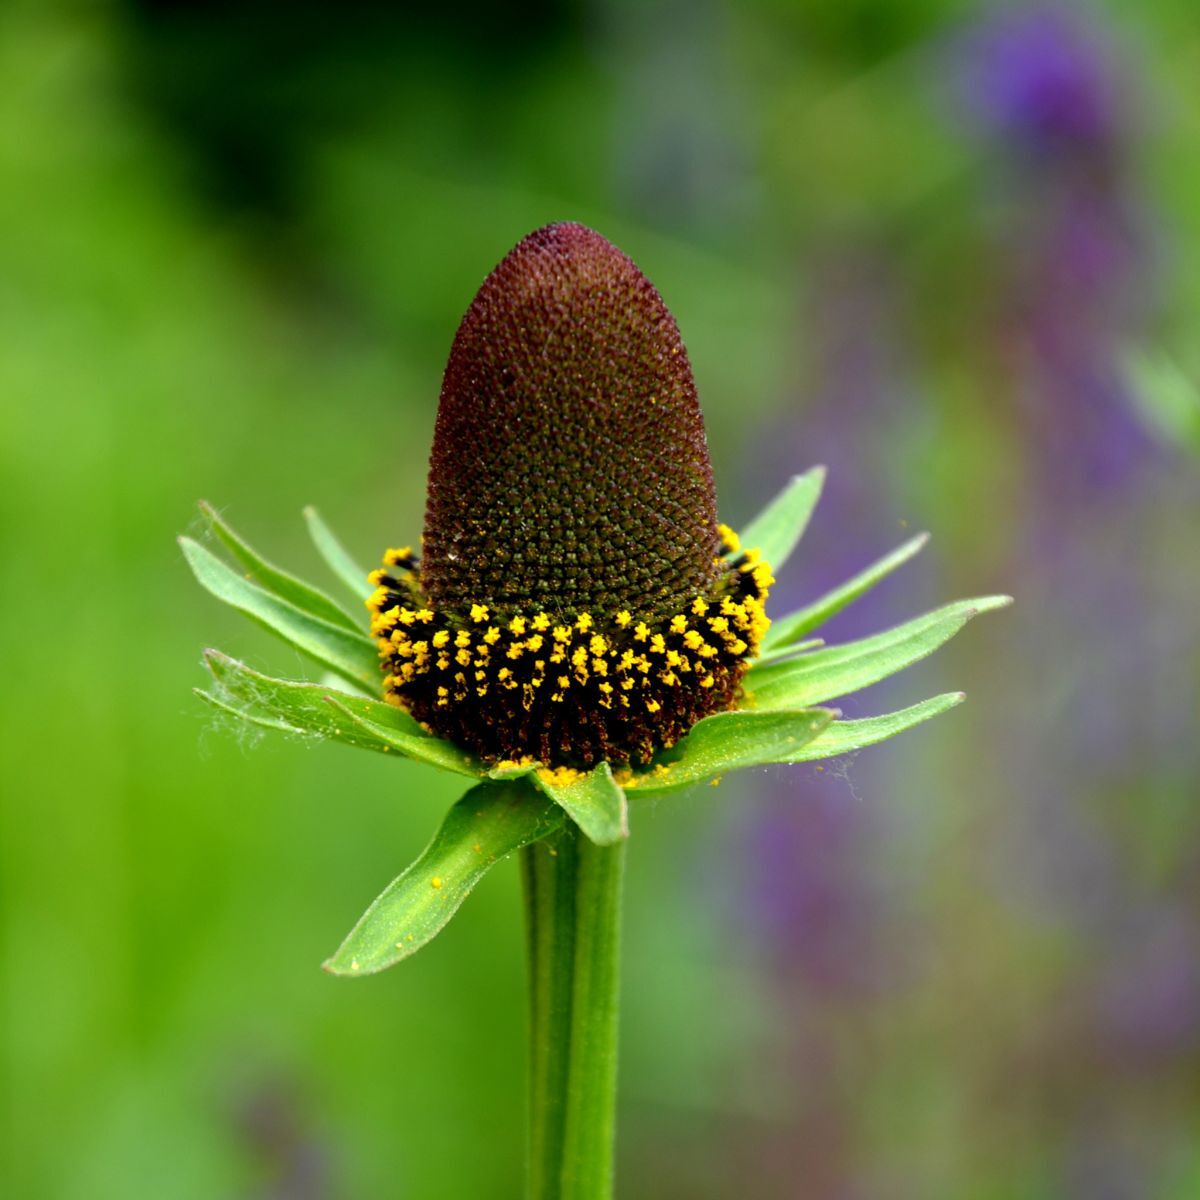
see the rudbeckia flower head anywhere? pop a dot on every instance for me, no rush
(577, 600)
(578, 629)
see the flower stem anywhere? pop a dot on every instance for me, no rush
(573, 914)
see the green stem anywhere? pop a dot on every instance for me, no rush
(573, 914)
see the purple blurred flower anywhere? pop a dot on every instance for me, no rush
(1041, 78)
(1056, 114)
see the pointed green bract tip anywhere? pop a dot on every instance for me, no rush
(569, 470)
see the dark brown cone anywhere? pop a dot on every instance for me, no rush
(574, 604)
(569, 471)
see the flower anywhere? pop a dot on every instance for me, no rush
(578, 607)
(1057, 117)
(577, 600)
(1041, 76)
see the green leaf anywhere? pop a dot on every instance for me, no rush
(349, 654)
(435, 751)
(728, 741)
(286, 587)
(305, 708)
(594, 801)
(780, 526)
(787, 630)
(345, 726)
(261, 719)
(307, 715)
(486, 825)
(337, 683)
(843, 736)
(839, 670)
(336, 556)
(792, 651)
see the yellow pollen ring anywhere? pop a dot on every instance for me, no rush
(463, 675)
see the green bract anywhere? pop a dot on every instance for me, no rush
(782, 715)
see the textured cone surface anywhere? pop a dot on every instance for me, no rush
(569, 470)
(576, 601)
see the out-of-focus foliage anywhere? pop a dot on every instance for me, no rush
(916, 240)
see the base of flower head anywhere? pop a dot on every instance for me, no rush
(566, 689)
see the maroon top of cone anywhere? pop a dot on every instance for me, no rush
(569, 470)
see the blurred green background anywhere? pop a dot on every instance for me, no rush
(917, 240)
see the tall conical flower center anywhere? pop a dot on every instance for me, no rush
(576, 601)
(569, 469)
